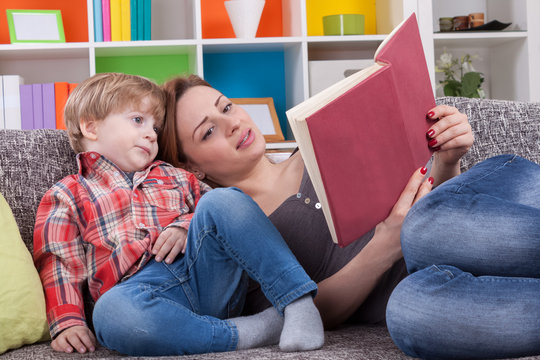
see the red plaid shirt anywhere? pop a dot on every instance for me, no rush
(98, 227)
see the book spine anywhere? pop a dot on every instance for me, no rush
(134, 11)
(116, 21)
(126, 19)
(98, 21)
(12, 101)
(140, 19)
(106, 10)
(61, 91)
(49, 106)
(147, 19)
(37, 102)
(2, 117)
(27, 107)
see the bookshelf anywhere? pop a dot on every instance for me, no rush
(192, 36)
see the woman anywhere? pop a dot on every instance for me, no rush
(217, 141)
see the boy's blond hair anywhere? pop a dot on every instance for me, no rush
(102, 94)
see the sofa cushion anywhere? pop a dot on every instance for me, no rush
(22, 303)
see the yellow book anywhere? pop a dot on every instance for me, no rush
(126, 19)
(116, 21)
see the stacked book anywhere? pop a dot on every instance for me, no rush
(122, 20)
(32, 106)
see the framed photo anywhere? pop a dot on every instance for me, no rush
(35, 26)
(263, 113)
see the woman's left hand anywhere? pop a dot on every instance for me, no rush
(450, 136)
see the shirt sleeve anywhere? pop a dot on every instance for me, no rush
(60, 261)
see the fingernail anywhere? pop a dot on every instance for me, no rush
(432, 142)
(430, 133)
(431, 180)
(423, 171)
(430, 114)
(158, 258)
(82, 350)
(92, 349)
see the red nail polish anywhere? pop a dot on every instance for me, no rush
(432, 142)
(423, 171)
(430, 133)
(430, 114)
(431, 180)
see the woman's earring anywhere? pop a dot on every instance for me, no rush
(199, 175)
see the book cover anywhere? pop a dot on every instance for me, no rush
(134, 20)
(61, 93)
(98, 21)
(71, 87)
(116, 20)
(147, 18)
(106, 10)
(27, 106)
(37, 102)
(2, 119)
(12, 101)
(126, 19)
(49, 106)
(363, 137)
(140, 19)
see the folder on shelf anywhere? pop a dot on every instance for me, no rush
(12, 101)
(140, 19)
(147, 18)
(27, 106)
(37, 103)
(363, 137)
(126, 19)
(134, 21)
(49, 106)
(2, 119)
(61, 93)
(116, 20)
(106, 10)
(98, 21)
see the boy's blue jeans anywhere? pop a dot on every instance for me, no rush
(179, 308)
(472, 247)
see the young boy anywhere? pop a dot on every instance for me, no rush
(118, 228)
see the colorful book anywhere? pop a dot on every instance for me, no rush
(147, 18)
(37, 97)
(363, 137)
(27, 106)
(126, 19)
(2, 119)
(134, 21)
(12, 101)
(49, 106)
(71, 87)
(106, 11)
(61, 93)
(98, 21)
(140, 19)
(116, 21)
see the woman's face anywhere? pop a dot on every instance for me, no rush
(218, 137)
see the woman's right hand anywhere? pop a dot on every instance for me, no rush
(388, 231)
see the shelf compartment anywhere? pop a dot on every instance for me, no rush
(478, 39)
(173, 19)
(343, 48)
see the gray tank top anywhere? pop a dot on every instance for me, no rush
(301, 222)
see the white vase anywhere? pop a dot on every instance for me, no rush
(245, 16)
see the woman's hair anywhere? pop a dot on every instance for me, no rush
(102, 94)
(170, 146)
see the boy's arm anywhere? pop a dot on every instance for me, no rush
(59, 257)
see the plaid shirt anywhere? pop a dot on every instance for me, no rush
(98, 227)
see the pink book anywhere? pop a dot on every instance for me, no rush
(27, 107)
(106, 11)
(49, 106)
(37, 98)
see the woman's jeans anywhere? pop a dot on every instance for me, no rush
(179, 308)
(472, 247)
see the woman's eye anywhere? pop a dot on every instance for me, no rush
(227, 108)
(156, 129)
(208, 133)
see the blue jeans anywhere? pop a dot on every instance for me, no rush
(472, 247)
(180, 308)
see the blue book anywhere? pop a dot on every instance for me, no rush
(134, 20)
(140, 19)
(147, 20)
(37, 97)
(98, 21)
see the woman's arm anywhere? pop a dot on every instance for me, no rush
(451, 137)
(341, 294)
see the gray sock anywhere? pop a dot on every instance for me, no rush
(303, 329)
(260, 329)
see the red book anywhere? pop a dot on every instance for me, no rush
(61, 93)
(363, 137)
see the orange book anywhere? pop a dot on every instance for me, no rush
(61, 93)
(363, 137)
(71, 87)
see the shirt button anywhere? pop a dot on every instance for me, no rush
(116, 173)
(307, 201)
(135, 195)
(160, 182)
(298, 195)
(141, 225)
(318, 205)
(93, 156)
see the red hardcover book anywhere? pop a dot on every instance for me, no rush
(363, 137)
(61, 92)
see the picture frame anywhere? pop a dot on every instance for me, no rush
(35, 26)
(263, 112)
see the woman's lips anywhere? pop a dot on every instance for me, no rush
(246, 139)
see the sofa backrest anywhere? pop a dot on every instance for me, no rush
(31, 161)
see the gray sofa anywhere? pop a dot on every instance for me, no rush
(32, 161)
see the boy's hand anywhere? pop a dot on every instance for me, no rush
(78, 338)
(170, 243)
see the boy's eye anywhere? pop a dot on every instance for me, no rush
(138, 119)
(208, 133)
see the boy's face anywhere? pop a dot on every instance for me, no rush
(128, 138)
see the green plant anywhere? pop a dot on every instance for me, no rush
(460, 78)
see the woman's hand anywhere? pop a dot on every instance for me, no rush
(76, 338)
(170, 243)
(451, 137)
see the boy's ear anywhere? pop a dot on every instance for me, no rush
(89, 129)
